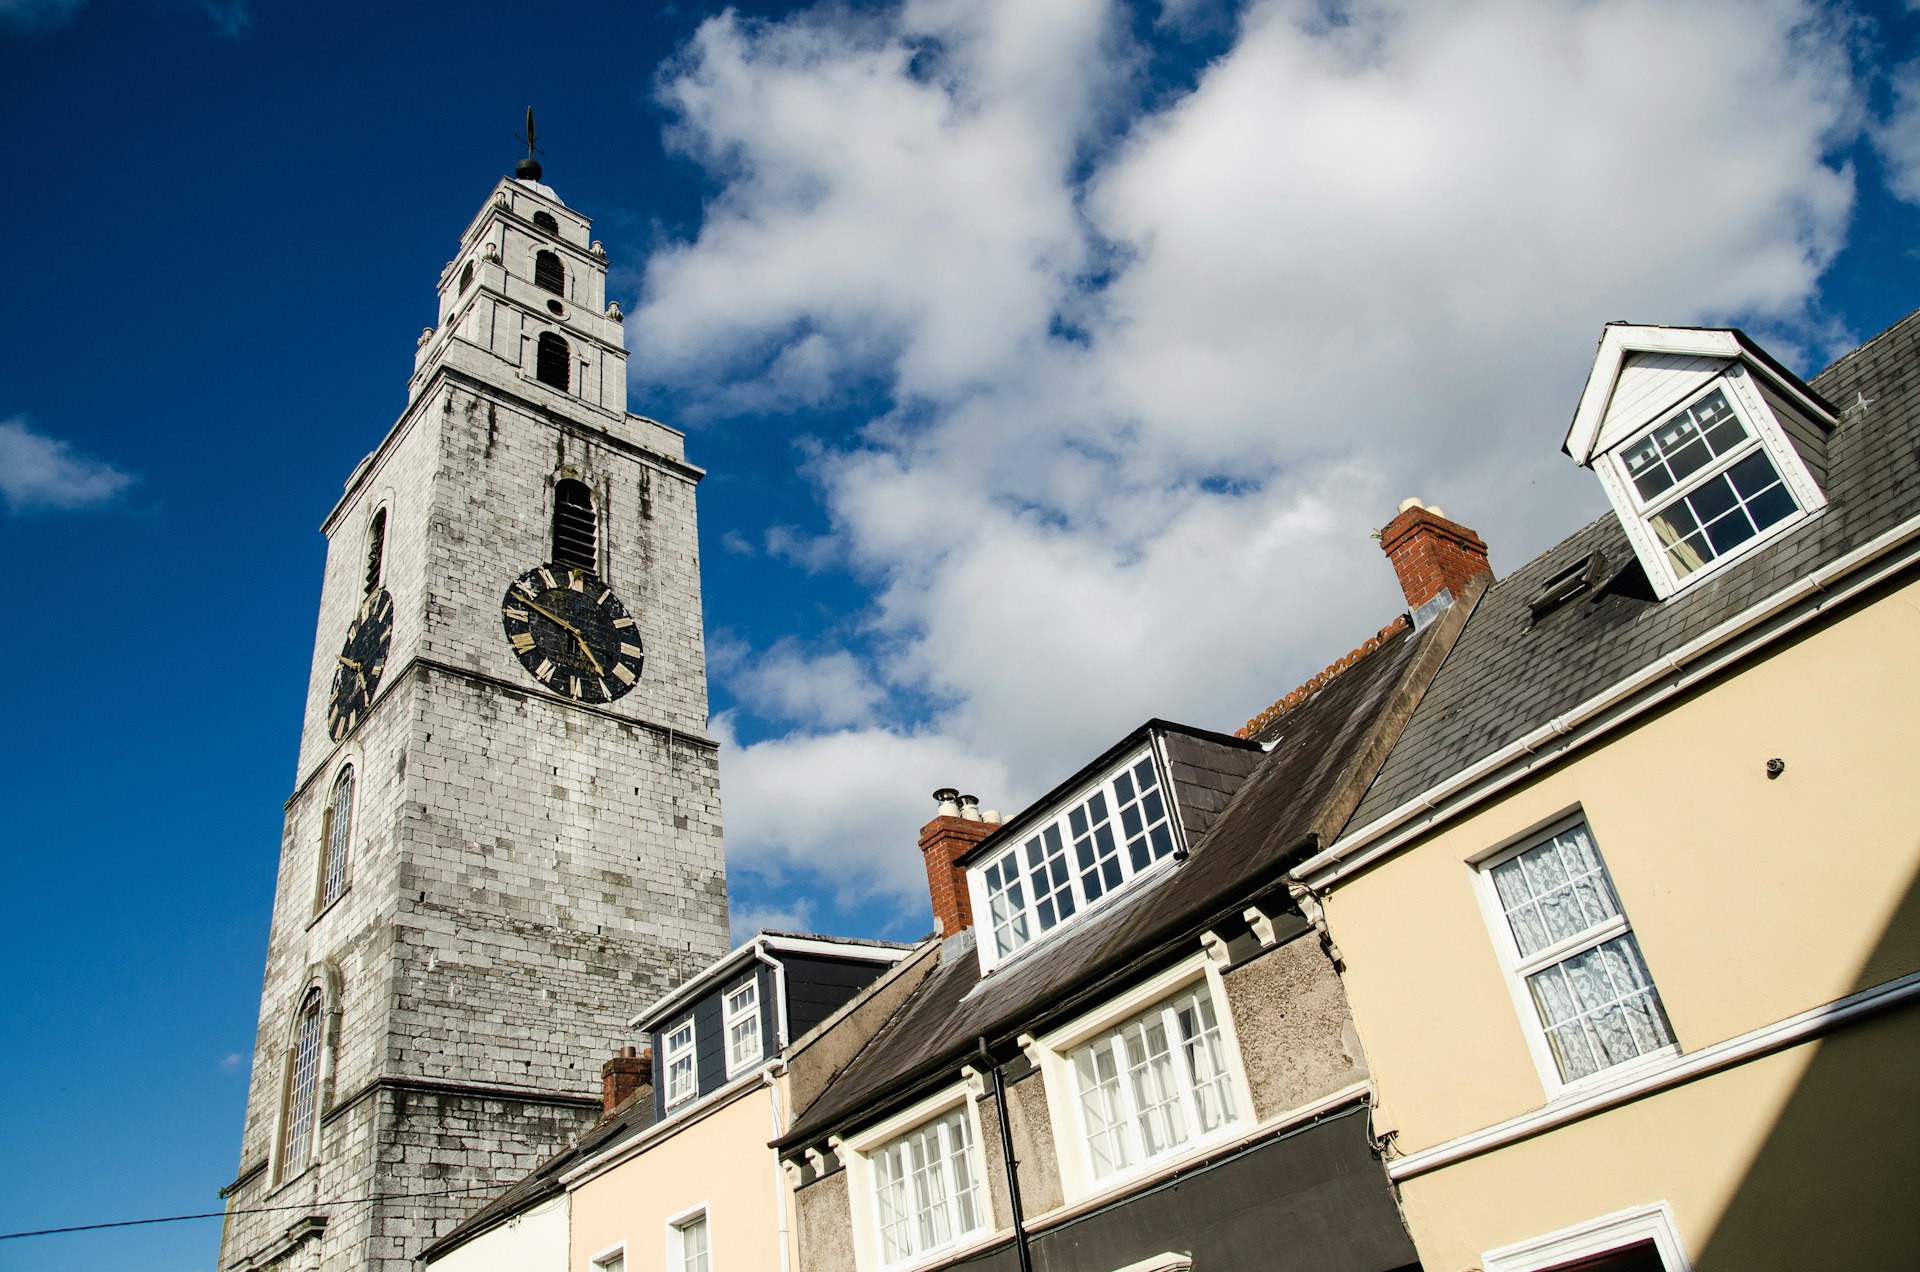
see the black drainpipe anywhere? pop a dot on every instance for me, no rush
(1006, 1152)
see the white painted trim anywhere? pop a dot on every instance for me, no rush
(1062, 1088)
(1752, 1045)
(1624, 701)
(854, 1150)
(679, 1119)
(729, 1018)
(702, 983)
(595, 1260)
(676, 1236)
(1171, 1261)
(1616, 1231)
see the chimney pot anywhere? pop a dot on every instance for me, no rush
(956, 827)
(970, 807)
(622, 1077)
(1434, 557)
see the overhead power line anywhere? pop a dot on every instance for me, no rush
(244, 1210)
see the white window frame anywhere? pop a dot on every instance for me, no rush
(603, 1261)
(1516, 968)
(672, 1055)
(982, 898)
(857, 1152)
(337, 859)
(738, 1063)
(677, 1226)
(1595, 1237)
(1054, 1051)
(292, 1154)
(1764, 433)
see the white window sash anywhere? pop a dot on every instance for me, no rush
(681, 1060)
(743, 1028)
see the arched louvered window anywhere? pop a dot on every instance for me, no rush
(545, 221)
(302, 1090)
(336, 835)
(549, 274)
(376, 549)
(466, 276)
(575, 530)
(553, 361)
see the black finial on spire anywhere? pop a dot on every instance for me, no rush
(528, 169)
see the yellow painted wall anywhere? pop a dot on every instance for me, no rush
(720, 1161)
(1752, 899)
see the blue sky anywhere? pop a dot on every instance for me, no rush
(1051, 362)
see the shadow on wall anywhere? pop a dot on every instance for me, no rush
(1834, 1183)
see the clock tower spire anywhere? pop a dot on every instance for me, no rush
(504, 831)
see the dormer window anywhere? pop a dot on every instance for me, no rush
(1106, 837)
(1706, 446)
(1704, 483)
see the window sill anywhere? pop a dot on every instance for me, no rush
(328, 908)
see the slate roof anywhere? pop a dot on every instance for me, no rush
(1301, 789)
(544, 1182)
(1507, 676)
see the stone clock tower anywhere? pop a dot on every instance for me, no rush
(504, 832)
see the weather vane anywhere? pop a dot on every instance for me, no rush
(528, 169)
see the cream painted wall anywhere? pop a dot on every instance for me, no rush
(1752, 900)
(720, 1161)
(532, 1241)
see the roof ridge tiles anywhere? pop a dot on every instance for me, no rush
(1321, 680)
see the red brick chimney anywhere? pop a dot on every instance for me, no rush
(1431, 554)
(955, 828)
(622, 1077)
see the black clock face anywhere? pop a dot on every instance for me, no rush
(362, 661)
(571, 633)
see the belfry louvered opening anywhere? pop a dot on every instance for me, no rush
(553, 361)
(548, 273)
(545, 221)
(376, 548)
(575, 531)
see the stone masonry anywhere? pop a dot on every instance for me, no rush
(524, 871)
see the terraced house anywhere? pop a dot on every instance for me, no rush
(1628, 917)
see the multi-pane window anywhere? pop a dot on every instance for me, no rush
(576, 531)
(1153, 1084)
(548, 273)
(1577, 955)
(742, 1015)
(336, 837)
(302, 1089)
(690, 1252)
(1705, 483)
(1110, 837)
(926, 1189)
(553, 361)
(615, 1262)
(681, 1083)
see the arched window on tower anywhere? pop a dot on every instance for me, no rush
(301, 1090)
(376, 549)
(576, 533)
(553, 361)
(466, 276)
(336, 835)
(545, 221)
(548, 273)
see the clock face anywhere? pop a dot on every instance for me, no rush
(362, 661)
(571, 633)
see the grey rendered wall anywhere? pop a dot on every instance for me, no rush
(1296, 1034)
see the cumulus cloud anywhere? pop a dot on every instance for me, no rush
(829, 688)
(1156, 376)
(1897, 138)
(749, 920)
(38, 473)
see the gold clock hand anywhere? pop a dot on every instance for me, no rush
(548, 614)
(582, 642)
(349, 663)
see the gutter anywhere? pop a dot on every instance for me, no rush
(1625, 701)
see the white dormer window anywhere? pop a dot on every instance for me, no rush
(743, 1028)
(1109, 834)
(1704, 484)
(681, 1083)
(1706, 446)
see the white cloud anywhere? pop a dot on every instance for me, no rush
(826, 689)
(1897, 138)
(748, 920)
(38, 472)
(1360, 260)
